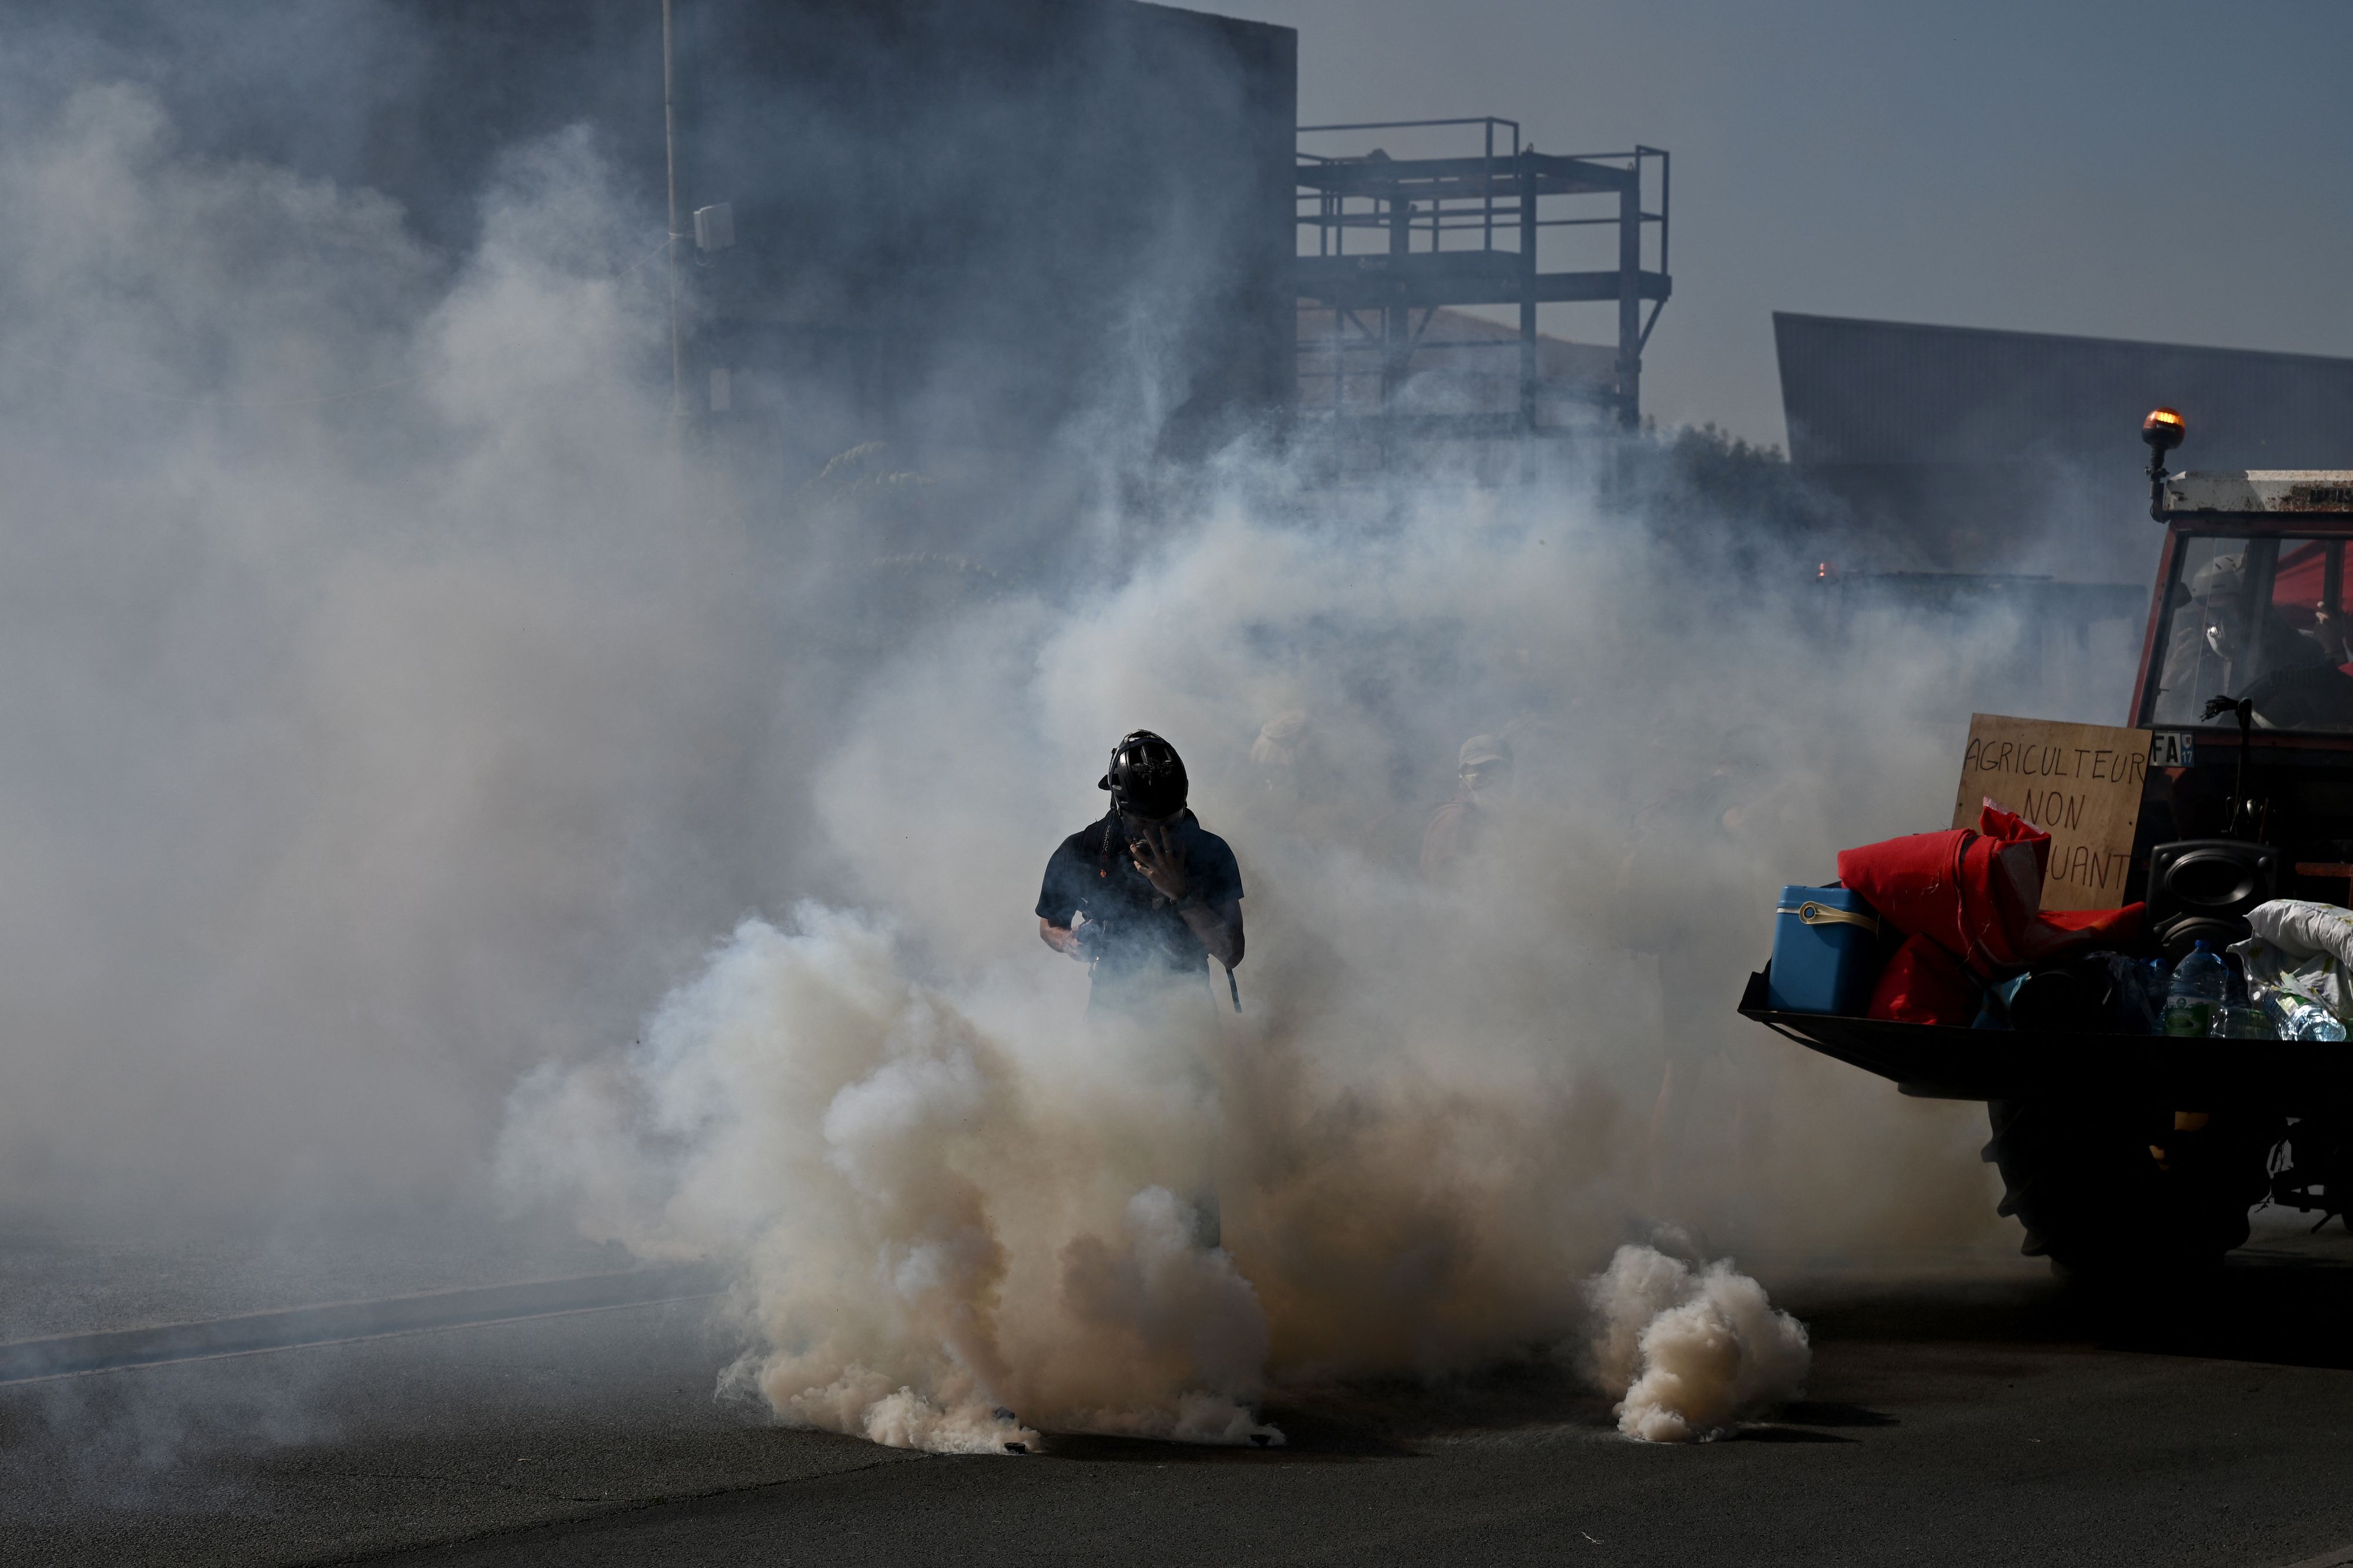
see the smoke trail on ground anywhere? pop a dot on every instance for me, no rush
(1689, 1352)
(943, 1210)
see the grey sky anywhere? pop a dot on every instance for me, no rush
(2175, 172)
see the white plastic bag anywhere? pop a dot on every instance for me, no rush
(2301, 928)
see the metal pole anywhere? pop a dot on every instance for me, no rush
(1527, 296)
(1395, 349)
(1630, 301)
(669, 158)
(1487, 192)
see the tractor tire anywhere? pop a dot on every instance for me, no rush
(2095, 1201)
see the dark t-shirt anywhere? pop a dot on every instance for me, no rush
(1093, 871)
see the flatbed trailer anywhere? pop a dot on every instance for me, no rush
(1933, 1061)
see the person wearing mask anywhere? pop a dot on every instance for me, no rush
(1144, 895)
(2222, 645)
(1465, 824)
(1141, 897)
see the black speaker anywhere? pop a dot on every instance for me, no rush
(2200, 889)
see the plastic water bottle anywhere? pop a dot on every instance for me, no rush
(2300, 1020)
(2242, 1021)
(2200, 981)
(2239, 1018)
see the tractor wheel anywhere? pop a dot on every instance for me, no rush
(2096, 1198)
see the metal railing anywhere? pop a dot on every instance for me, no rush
(1465, 228)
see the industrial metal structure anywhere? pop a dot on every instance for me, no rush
(1388, 243)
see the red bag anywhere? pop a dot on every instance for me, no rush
(1923, 984)
(1977, 895)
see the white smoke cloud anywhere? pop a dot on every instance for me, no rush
(1688, 1353)
(944, 1213)
(950, 1192)
(377, 712)
(390, 725)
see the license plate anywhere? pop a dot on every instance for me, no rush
(2172, 749)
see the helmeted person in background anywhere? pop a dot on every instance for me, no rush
(1460, 827)
(1142, 896)
(1280, 757)
(1291, 789)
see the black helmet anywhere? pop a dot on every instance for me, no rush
(1146, 777)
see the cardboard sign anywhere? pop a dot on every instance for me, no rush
(2079, 782)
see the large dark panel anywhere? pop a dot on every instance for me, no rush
(963, 225)
(1992, 451)
(980, 220)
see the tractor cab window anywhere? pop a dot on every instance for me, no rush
(2259, 619)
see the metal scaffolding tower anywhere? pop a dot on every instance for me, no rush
(1396, 240)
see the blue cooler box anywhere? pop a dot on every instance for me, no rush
(1823, 943)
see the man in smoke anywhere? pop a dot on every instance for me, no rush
(1141, 897)
(1458, 829)
(1144, 895)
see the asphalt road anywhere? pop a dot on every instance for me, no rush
(1954, 1417)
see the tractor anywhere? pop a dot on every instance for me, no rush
(2124, 1153)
